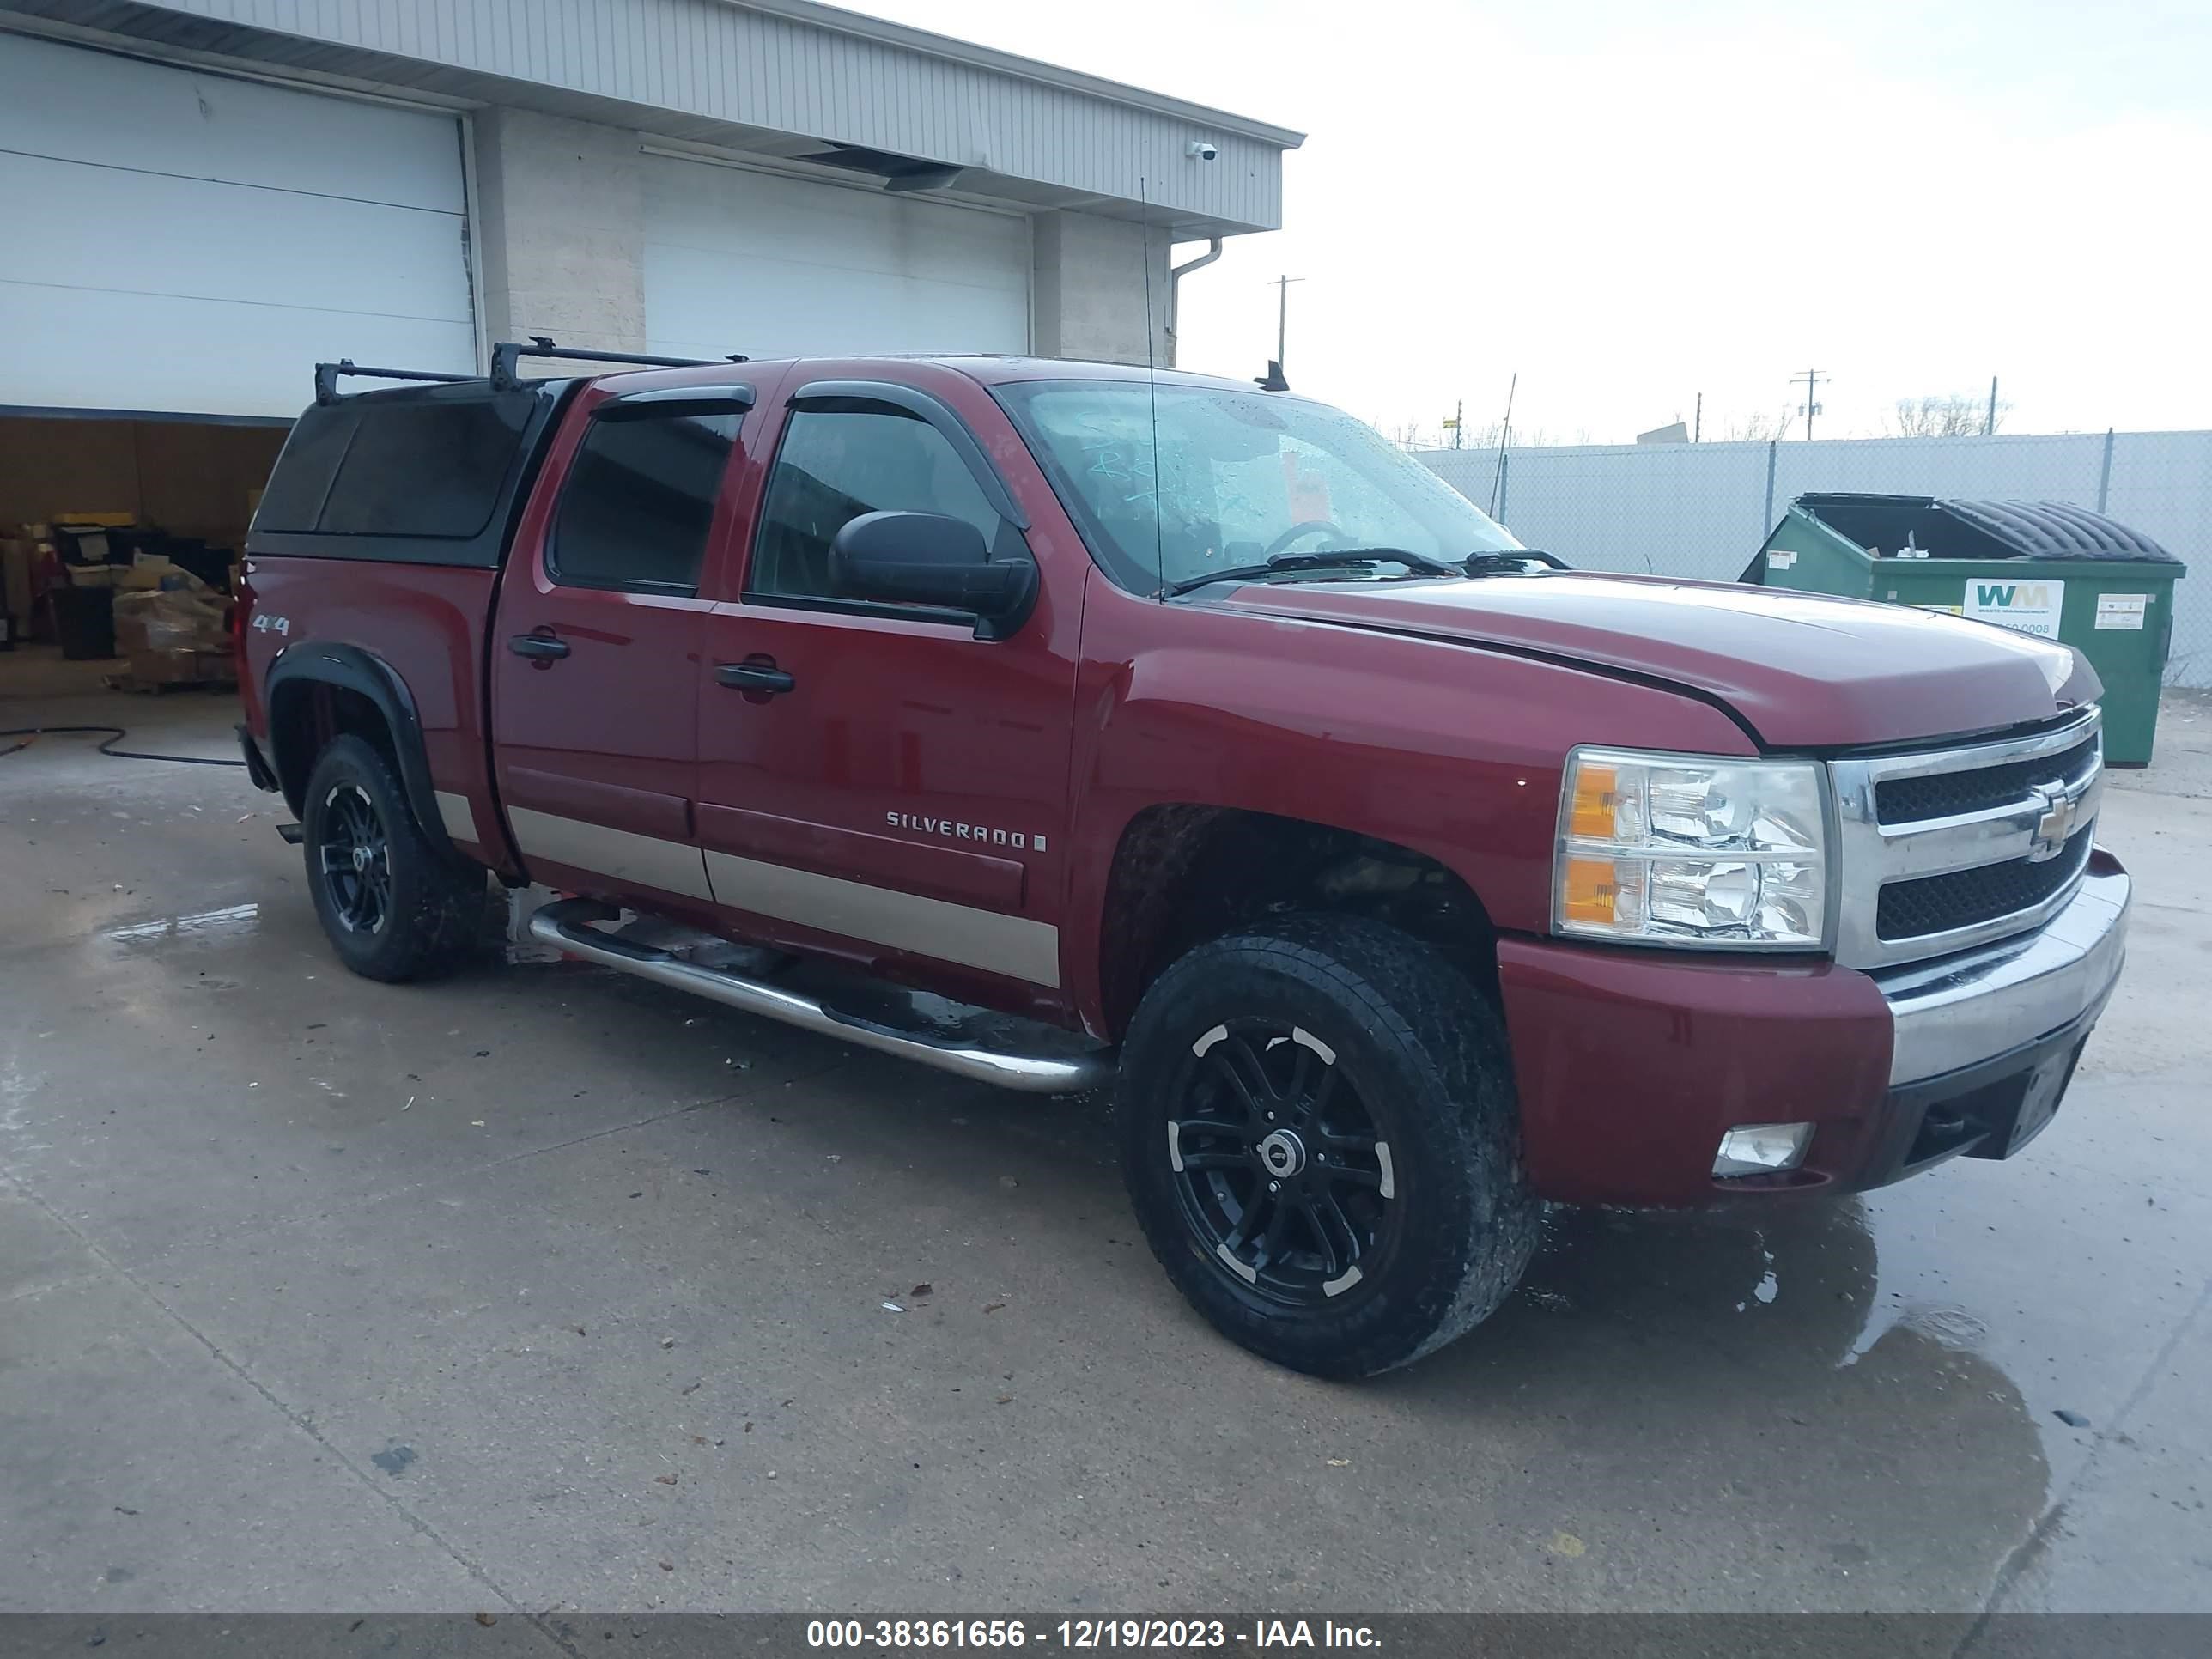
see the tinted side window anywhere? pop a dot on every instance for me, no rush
(638, 503)
(426, 468)
(310, 458)
(835, 465)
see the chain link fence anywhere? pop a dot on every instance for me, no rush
(1702, 510)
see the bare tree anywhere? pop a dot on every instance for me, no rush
(1412, 434)
(1954, 415)
(1758, 429)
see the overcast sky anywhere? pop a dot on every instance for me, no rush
(1632, 203)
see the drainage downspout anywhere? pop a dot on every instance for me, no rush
(1175, 293)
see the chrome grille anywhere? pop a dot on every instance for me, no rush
(1947, 794)
(1941, 904)
(1943, 849)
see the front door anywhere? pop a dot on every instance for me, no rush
(596, 654)
(876, 781)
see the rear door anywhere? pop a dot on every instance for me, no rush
(876, 781)
(596, 648)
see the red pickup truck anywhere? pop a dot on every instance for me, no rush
(1186, 736)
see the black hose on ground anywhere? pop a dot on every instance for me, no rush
(31, 734)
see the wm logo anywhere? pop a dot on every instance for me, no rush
(2004, 596)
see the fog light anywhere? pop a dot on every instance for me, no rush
(1762, 1148)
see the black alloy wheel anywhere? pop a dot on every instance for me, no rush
(1278, 1168)
(355, 859)
(1320, 1140)
(394, 905)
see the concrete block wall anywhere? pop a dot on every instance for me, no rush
(1088, 289)
(561, 229)
(559, 249)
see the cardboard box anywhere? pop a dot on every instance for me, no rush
(176, 667)
(145, 572)
(165, 622)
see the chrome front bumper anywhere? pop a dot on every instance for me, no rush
(1981, 1003)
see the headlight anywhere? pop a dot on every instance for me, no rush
(1678, 849)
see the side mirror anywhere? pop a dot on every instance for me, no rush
(929, 559)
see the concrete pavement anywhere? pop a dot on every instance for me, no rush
(543, 1289)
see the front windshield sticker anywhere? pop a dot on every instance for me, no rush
(1308, 492)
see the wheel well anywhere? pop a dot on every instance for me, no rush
(1185, 874)
(305, 716)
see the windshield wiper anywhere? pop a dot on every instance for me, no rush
(1344, 558)
(1512, 563)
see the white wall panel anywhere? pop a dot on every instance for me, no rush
(102, 110)
(185, 242)
(159, 354)
(736, 260)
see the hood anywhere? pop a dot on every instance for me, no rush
(1802, 669)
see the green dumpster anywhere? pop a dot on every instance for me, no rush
(2043, 567)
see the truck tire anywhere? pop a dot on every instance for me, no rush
(394, 907)
(1319, 1135)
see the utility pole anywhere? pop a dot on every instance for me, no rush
(1989, 425)
(1814, 381)
(1458, 422)
(1282, 285)
(1698, 421)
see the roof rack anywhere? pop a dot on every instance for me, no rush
(504, 357)
(326, 376)
(507, 352)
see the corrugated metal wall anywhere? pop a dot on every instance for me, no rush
(719, 61)
(1702, 510)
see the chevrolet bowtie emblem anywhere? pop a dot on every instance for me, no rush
(2062, 808)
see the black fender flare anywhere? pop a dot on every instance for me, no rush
(317, 662)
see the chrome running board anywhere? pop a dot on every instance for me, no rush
(562, 924)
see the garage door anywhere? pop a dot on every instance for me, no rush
(769, 265)
(182, 242)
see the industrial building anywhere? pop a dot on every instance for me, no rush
(209, 196)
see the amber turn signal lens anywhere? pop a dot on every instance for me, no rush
(1597, 791)
(1592, 890)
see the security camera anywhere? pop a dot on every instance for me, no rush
(1202, 151)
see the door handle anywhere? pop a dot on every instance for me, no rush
(754, 677)
(541, 648)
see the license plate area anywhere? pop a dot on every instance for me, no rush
(2038, 1103)
(1996, 1116)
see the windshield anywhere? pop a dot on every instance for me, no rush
(1244, 477)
